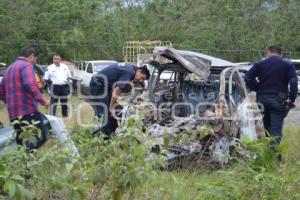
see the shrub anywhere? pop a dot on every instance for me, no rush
(105, 169)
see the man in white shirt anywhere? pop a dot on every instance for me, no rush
(58, 73)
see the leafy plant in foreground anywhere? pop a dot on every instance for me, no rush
(106, 169)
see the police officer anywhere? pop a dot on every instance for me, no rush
(58, 73)
(107, 85)
(276, 83)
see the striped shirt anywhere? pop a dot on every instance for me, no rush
(19, 89)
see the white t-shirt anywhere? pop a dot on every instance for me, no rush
(58, 74)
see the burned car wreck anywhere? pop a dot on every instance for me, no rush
(196, 115)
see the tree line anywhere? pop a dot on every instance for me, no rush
(97, 29)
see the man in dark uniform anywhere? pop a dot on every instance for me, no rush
(276, 83)
(107, 85)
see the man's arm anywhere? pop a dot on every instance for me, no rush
(29, 82)
(122, 83)
(47, 74)
(47, 77)
(69, 75)
(293, 81)
(250, 78)
(2, 90)
(115, 95)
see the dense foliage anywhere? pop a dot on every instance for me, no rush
(123, 169)
(97, 29)
(104, 170)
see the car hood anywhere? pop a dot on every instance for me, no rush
(193, 63)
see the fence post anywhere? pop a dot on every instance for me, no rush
(74, 54)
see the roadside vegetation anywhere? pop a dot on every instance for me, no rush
(97, 29)
(123, 169)
(261, 177)
(104, 170)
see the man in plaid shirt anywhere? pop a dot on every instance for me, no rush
(21, 94)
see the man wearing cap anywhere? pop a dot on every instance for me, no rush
(107, 85)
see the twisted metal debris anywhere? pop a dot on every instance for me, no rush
(224, 111)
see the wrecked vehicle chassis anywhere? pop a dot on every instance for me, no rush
(195, 118)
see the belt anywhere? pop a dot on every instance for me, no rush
(267, 93)
(26, 115)
(270, 93)
(60, 84)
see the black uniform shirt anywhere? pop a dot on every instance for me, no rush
(120, 75)
(274, 75)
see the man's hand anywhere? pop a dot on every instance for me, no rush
(291, 104)
(113, 112)
(47, 103)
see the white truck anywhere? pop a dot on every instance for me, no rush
(297, 66)
(86, 70)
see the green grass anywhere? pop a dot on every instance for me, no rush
(80, 111)
(291, 144)
(234, 183)
(239, 181)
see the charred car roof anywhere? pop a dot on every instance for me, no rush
(197, 63)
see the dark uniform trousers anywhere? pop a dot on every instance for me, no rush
(59, 92)
(39, 131)
(274, 112)
(101, 103)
